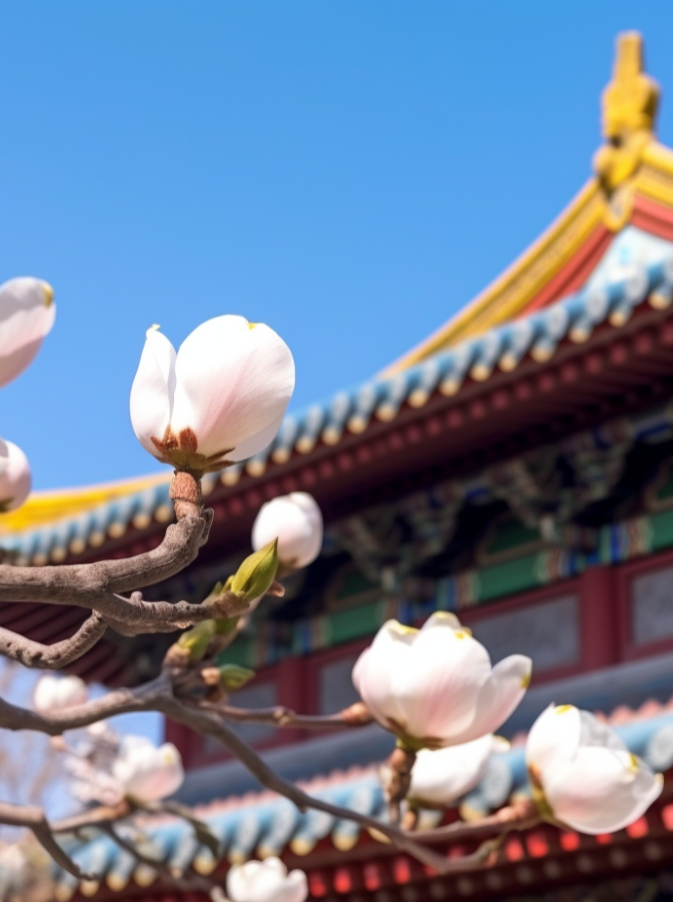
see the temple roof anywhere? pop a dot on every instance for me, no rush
(635, 271)
(608, 253)
(631, 170)
(262, 824)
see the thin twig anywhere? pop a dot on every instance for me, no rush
(119, 702)
(282, 717)
(98, 817)
(517, 817)
(169, 873)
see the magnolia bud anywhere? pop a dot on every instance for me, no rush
(27, 313)
(257, 573)
(268, 880)
(146, 772)
(233, 677)
(296, 520)
(15, 477)
(194, 642)
(54, 694)
(220, 398)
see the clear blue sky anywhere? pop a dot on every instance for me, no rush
(350, 173)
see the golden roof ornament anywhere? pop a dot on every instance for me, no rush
(629, 104)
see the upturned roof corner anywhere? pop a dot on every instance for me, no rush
(632, 181)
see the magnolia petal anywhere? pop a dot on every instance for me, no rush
(54, 694)
(296, 521)
(499, 696)
(600, 790)
(15, 476)
(153, 390)
(439, 686)
(597, 733)
(234, 380)
(555, 733)
(439, 777)
(147, 772)
(266, 881)
(253, 445)
(296, 887)
(27, 315)
(374, 671)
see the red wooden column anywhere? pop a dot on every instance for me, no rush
(293, 691)
(599, 617)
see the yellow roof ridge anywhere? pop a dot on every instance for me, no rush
(630, 162)
(50, 505)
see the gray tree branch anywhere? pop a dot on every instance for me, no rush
(33, 818)
(57, 655)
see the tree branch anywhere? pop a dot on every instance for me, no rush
(158, 696)
(75, 584)
(171, 875)
(33, 818)
(99, 817)
(279, 716)
(517, 817)
(208, 723)
(58, 655)
(118, 702)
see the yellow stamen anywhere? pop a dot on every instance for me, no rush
(562, 709)
(48, 294)
(252, 325)
(402, 629)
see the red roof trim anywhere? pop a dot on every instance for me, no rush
(652, 217)
(573, 274)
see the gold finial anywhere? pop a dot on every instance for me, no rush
(630, 100)
(629, 109)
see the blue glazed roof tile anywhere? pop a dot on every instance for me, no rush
(637, 267)
(264, 825)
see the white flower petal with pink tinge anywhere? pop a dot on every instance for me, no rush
(233, 379)
(153, 390)
(296, 521)
(146, 772)
(228, 386)
(590, 780)
(266, 882)
(27, 314)
(440, 777)
(436, 685)
(54, 693)
(16, 479)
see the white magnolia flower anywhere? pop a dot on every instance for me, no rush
(256, 882)
(146, 772)
(296, 521)
(220, 399)
(435, 686)
(583, 775)
(27, 314)
(53, 694)
(16, 478)
(439, 777)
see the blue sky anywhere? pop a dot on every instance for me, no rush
(350, 173)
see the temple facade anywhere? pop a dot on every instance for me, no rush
(516, 468)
